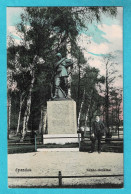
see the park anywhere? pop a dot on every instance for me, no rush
(65, 97)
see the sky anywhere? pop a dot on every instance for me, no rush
(100, 39)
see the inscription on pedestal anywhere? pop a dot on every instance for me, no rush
(61, 117)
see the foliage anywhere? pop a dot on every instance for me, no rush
(89, 95)
(44, 31)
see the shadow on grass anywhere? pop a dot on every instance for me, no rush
(95, 186)
(21, 148)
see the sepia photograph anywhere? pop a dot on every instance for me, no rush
(65, 97)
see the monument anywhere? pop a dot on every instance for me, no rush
(61, 109)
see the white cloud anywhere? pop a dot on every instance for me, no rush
(17, 36)
(114, 35)
(98, 48)
(13, 15)
(105, 48)
(86, 43)
(12, 30)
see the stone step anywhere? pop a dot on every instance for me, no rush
(60, 138)
(58, 149)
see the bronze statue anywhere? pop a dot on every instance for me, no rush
(61, 77)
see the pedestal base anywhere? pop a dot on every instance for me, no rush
(60, 138)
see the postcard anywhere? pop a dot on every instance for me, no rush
(65, 96)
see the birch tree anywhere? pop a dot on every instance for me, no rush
(11, 87)
(111, 74)
(28, 104)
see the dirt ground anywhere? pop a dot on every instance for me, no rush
(70, 163)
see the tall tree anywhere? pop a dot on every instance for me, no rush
(44, 31)
(116, 102)
(111, 74)
(89, 98)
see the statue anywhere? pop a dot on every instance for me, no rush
(62, 85)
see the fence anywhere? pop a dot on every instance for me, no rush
(60, 177)
(36, 142)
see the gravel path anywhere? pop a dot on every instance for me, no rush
(69, 163)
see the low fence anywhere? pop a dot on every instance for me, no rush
(35, 141)
(60, 177)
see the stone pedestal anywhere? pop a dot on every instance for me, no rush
(61, 117)
(61, 121)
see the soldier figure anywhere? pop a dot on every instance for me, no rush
(61, 77)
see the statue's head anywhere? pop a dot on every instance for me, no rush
(58, 55)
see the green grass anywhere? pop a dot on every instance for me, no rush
(21, 148)
(15, 146)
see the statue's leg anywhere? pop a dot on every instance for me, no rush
(66, 86)
(57, 85)
(62, 93)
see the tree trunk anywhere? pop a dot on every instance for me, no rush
(27, 111)
(86, 118)
(87, 113)
(107, 98)
(79, 115)
(45, 130)
(9, 114)
(42, 124)
(26, 116)
(78, 101)
(41, 119)
(19, 117)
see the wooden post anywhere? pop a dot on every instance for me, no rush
(79, 141)
(60, 178)
(35, 144)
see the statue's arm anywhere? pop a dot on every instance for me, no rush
(69, 62)
(59, 63)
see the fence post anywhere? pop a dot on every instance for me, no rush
(79, 141)
(60, 178)
(35, 144)
(118, 132)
